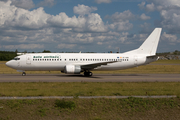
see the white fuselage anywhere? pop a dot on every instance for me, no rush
(57, 61)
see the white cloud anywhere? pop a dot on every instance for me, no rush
(150, 7)
(19, 18)
(159, 5)
(67, 46)
(165, 3)
(146, 28)
(144, 17)
(82, 9)
(169, 11)
(26, 4)
(24, 46)
(123, 37)
(126, 15)
(49, 3)
(121, 26)
(99, 43)
(95, 23)
(170, 20)
(169, 37)
(103, 1)
(141, 6)
(29, 28)
(90, 23)
(121, 21)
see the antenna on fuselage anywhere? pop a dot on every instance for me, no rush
(118, 50)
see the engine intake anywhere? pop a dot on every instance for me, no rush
(72, 69)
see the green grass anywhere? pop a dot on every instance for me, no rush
(168, 61)
(91, 109)
(89, 89)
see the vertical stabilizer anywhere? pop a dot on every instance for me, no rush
(149, 46)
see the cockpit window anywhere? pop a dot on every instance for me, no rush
(16, 59)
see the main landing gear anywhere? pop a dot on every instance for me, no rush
(23, 74)
(88, 74)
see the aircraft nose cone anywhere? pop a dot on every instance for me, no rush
(8, 64)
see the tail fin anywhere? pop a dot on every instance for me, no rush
(149, 46)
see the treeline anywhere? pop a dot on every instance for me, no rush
(176, 52)
(7, 55)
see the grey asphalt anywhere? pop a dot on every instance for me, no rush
(94, 78)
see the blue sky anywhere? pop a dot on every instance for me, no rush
(87, 25)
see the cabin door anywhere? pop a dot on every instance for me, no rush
(28, 59)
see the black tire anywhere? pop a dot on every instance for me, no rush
(88, 74)
(23, 74)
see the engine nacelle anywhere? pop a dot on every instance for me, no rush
(72, 69)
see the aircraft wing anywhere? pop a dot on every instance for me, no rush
(95, 65)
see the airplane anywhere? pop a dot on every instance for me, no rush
(76, 63)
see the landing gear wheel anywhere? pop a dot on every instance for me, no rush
(88, 74)
(23, 74)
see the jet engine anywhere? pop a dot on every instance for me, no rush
(72, 69)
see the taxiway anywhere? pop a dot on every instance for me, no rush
(94, 78)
